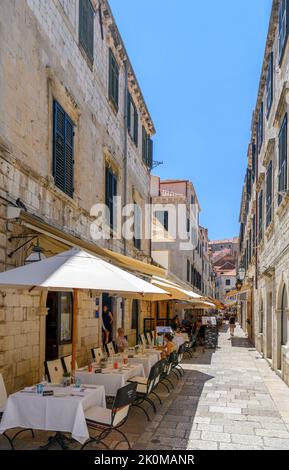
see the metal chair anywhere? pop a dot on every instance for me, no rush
(165, 375)
(110, 420)
(54, 370)
(110, 349)
(3, 400)
(146, 387)
(96, 354)
(176, 367)
(66, 362)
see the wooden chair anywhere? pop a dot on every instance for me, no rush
(55, 370)
(67, 362)
(110, 349)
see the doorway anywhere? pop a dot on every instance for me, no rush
(135, 319)
(58, 323)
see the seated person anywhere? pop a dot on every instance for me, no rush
(121, 342)
(169, 345)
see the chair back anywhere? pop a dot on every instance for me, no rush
(143, 339)
(96, 354)
(149, 338)
(54, 370)
(161, 369)
(154, 376)
(67, 363)
(3, 394)
(181, 351)
(110, 349)
(124, 398)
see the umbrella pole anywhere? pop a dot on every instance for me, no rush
(74, 330)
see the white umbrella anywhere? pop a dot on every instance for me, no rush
(77, 269)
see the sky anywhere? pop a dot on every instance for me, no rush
(199, 64)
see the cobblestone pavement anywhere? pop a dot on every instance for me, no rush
(228, 399)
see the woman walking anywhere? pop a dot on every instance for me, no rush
(232, 323)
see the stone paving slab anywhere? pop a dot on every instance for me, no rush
(228, 399)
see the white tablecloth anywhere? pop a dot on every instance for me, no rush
(153, 351)
(112, 380)
(147, 360)
(51, 413)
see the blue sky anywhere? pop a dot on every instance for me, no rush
(199, 64)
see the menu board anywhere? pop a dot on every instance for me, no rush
(211, 337)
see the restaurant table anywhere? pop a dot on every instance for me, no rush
(147, 360)
(63, 413)
(157, 352)
(111, 379)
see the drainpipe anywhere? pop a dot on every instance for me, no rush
(125, 146)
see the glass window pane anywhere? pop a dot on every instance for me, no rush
(65, 316)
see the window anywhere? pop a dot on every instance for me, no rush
(63, 162)
(147, 149)
(132, 120)
(163, 218)
(283, 26)
(188, 270)
(110, 194)
(188, 225)
(137, 226)
(284, 318)
(254, 236)
(86, 27)
(134, 315)
(260, 128)
(253, 162)
(282, 176)
(269, 85)
(228, 282)
(269, 187)
(260, 212)
(65, 317)
(113, 84)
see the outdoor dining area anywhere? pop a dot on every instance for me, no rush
(85, 405)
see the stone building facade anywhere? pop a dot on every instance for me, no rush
(224, 255)
(264, 249)
(63, 63)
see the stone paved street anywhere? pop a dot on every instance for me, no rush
(228, 399)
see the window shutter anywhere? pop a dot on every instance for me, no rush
(282, 159)
(144, 146)
(150, 153)
(90, 30)
(113, 84)
(59, 147)
(135, 126)
(69, 159)
(128, 111)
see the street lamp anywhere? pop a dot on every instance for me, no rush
(242, 274)
(35, 255)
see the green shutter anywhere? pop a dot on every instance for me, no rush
(135, 126)
(86, 27)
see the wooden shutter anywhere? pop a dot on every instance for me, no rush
(269, 195)
(260, 216)
(113, 79)
(86, 27)
(128, 112)
(269, 86)
(135, 126)
(144, 147)
(150, 153)
(63, 149)
(282, 158)
(69, 159)
(59, 147)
